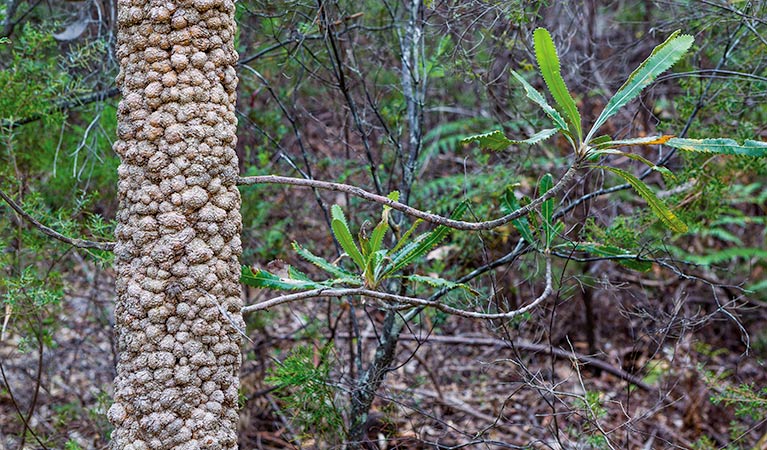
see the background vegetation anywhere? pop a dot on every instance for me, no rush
(662, 349)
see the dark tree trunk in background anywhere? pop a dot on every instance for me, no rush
(178, 295)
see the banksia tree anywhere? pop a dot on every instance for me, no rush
(178, 297)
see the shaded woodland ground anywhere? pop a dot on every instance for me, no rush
(670, 357)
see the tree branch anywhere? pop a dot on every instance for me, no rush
(403, 302)
(63, 106)
(428, 217)
(80, 243)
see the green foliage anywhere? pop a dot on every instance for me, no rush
(47, 166)
(72, 445)
(661, 59)
(305, 389)
(591, 406)
(548, 62)
(747, 401)
(592, 402)
(536, 97)
(496, 140)
(623, 256)
(374, 263)
(511, 204)
(721, 146)
(449, 136)
(344, 237)
(547, 211)
(30, 81)
(658, 207)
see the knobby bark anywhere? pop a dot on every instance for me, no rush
(176, 256)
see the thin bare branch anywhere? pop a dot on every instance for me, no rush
(428, 217)
(62, 106)
(403, 302)
(79, 243)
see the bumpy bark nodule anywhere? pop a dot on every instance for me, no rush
(178, 244)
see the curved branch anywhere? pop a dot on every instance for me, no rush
(80, 243)
(404, 302)
(62, 106)
(428, 217)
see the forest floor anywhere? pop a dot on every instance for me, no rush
(455, 383)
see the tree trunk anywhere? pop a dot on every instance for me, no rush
(178, 295)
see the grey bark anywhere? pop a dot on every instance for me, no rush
(176, 255)
(413, 79)
(369, 382)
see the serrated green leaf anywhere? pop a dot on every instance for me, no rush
(492, 140)
(379, 232)
(344, 236)
(657, 206)
(376, 266)
(353, 281)
(440, 283)
(322, 263)
(548, 62)
(397, 256)
(423, 243)
(540, 100)
(555, 231)
(647, 140)
(376, 238)
(720, 146)
(496, 140)
(295, 274)
(511, 204)
(262, 279)
(404, 239)
(598, 142)
(539, 136)
(608, 251)
(661, 59)
(663, 170)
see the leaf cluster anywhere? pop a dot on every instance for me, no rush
(304, 388)
(373, 262)
(567, 121)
